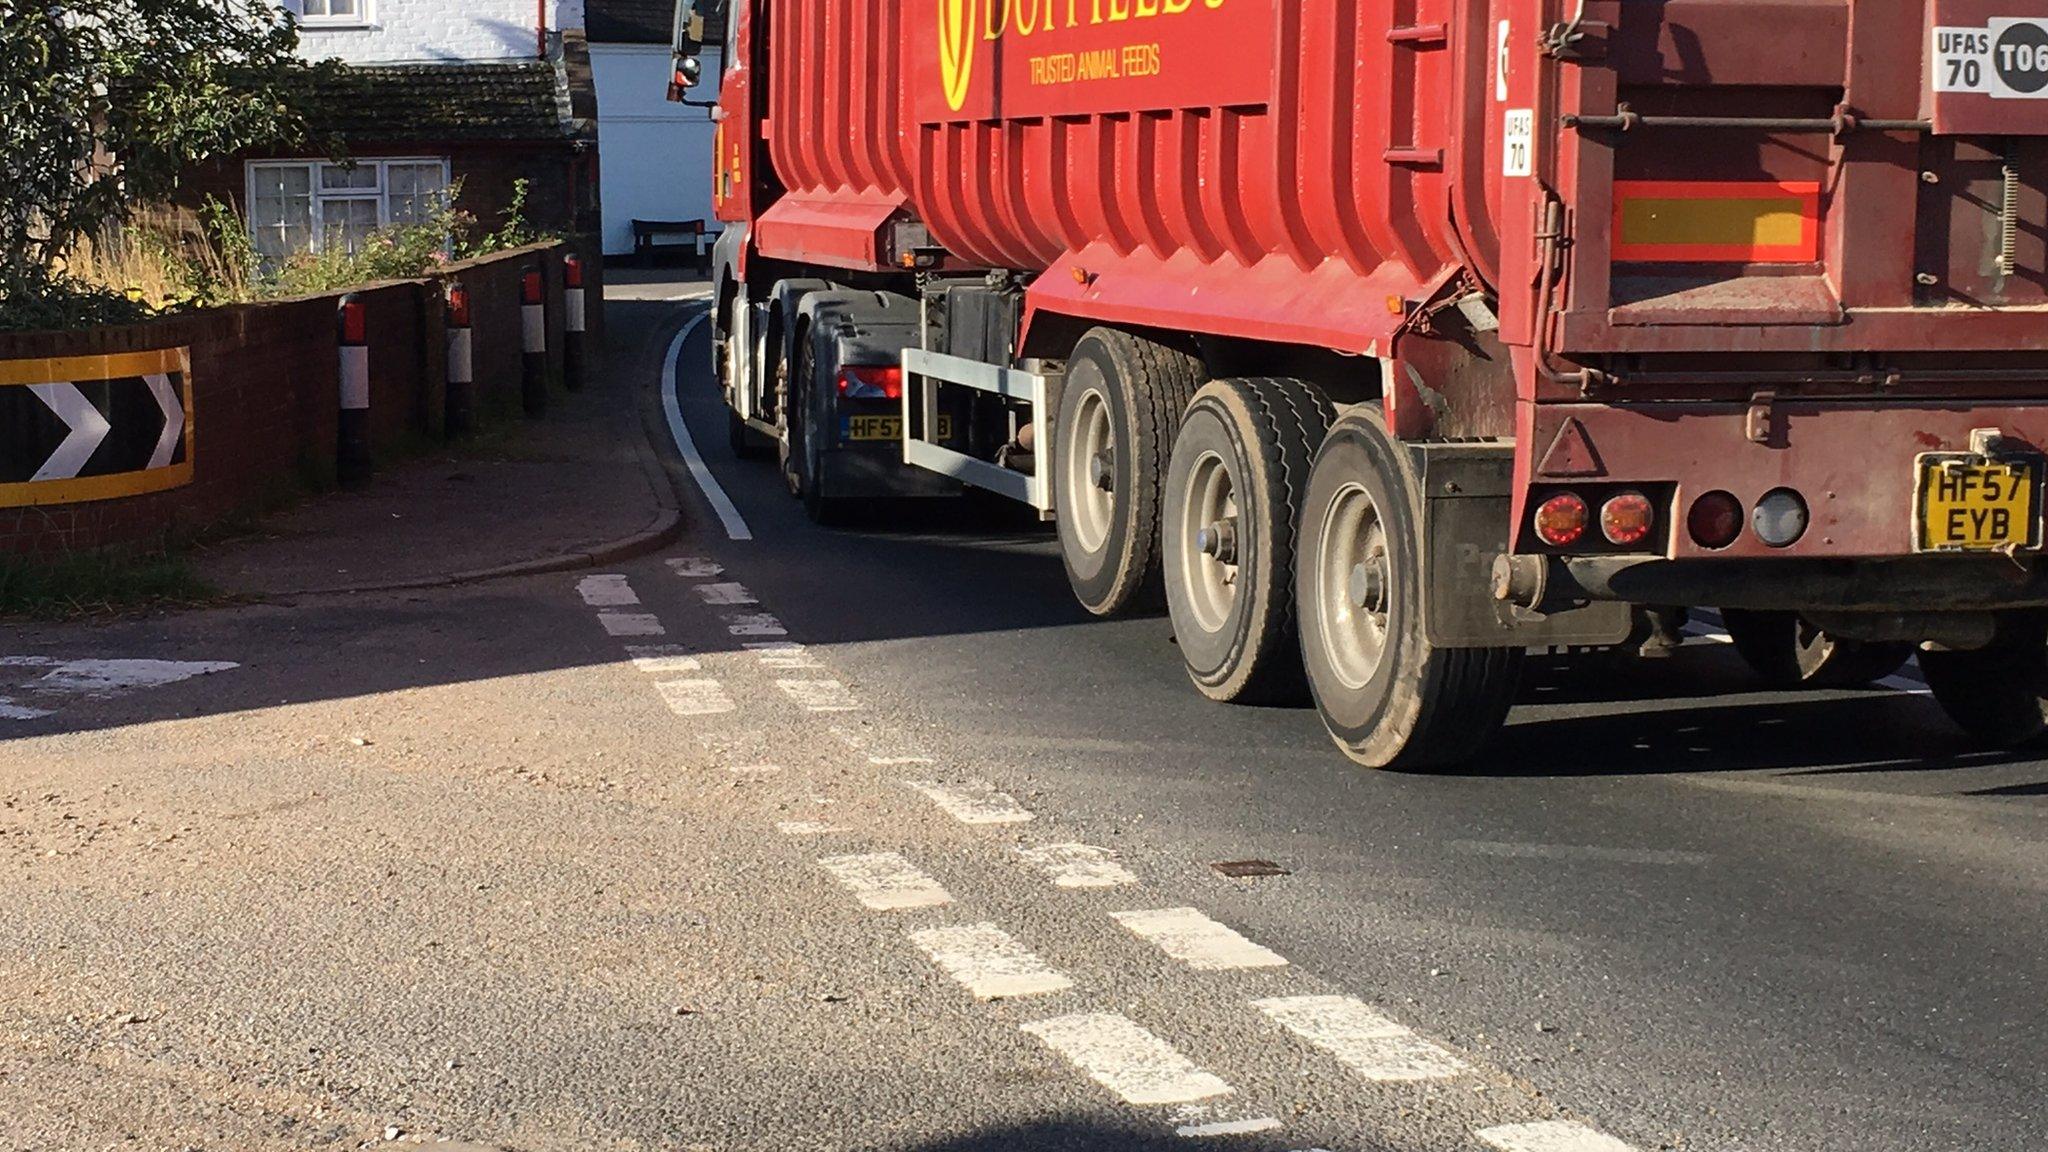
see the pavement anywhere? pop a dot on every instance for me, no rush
(787, 838)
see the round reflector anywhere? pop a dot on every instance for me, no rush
(1627, 518)
(1561, 520)
(1715, 520)
(1780, 518)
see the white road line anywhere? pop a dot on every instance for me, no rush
(899, 761)
(754, 624)
(695, 697)
(886, 882)
(1360, 1038)
(662, 658)
(1550, 1136)
(1197, 941)
(607, 592)
(631, 624)
(784, 656)
(728, 513)
(9, 710)
(109, 677)
(988, 962)
(973, 802)
(1079, 866)
(1126, 1059)
(820, 695)
(807, 828)
(696, 567)
(1198, 1121)
(726, 594)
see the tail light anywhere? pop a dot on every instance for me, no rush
(1715, 520)
(1561, 520)
(1627, 519)
(1780, 518)
(871, 382)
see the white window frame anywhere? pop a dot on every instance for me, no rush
(364, 16)
(381, 193)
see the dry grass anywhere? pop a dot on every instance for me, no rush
(162, 259)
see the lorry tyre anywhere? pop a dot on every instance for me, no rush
(1118, 418)
(1389, 698)
(1233, 499)
(1789, 652)
(805, 438)
(1998, 694)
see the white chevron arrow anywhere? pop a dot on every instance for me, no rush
(88, 429)
(174, 419)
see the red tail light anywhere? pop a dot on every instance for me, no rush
(530, 290)
(1627, 518)
(871, 382)
(458, 306)
(1715, 520)
(572, 272)
(354, 321)
(1561, 520)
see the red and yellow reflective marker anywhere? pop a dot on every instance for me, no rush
(1717, 221)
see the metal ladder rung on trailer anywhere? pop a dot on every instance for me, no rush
(921, 369)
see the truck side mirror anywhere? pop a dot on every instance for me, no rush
(687, 46)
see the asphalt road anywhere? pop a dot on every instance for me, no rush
(869, 838)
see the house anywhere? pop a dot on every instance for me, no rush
(657, 156)
(432, 94)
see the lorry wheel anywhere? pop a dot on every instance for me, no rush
(1389, 698)
(1998, 694)
(1233, 498)
(1789, 652)
(1118, 418)
(810, 427)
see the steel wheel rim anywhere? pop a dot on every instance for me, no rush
(1210, 582)
(1089, 508)
(1354, 586)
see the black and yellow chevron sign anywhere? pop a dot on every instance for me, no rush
(94, 427)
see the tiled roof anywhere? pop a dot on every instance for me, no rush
(512, 100)
(629, 21)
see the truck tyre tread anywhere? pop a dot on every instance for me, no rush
(1150, 387)
(1998, 694)
(1789, 653)
(1421, 707)
(1271, 430)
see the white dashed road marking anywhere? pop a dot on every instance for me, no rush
(974, 802)
(662, 658)
(607, 592)
(1126, 1059)
(695, 697)
(988, 962)
(820, 695)
(1197, 1120)
(1360, 1038)
(784, 656)
(1197, 941)
(1079, 866)
(886, 882)
(726, 594)
(109, 677)
(1550, 1136)
(695, 568)
(631, 624)
(754, 624)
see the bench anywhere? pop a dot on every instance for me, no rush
(651, 234)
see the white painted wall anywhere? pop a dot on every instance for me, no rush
(655, 158)
(414, 31)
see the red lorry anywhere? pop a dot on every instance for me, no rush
(1388, 339)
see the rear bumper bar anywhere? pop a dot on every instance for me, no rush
(1917, 584)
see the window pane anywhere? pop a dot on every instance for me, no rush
(343, 7)
(282, 228)
(415, 191)
(347, 223)
(283, 180)
(316, 7)
(335, 176)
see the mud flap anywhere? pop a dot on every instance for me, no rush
(1468, 489)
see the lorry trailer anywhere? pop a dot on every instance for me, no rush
(1385, 340)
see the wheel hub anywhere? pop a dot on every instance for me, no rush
(1368, 586)
(1218, 541)
(1102, 471)
(1354, 587)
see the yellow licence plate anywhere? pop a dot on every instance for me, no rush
(867, 428)
(1969, 504)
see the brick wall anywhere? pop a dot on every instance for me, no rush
(266, 386)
